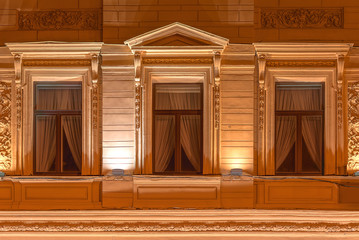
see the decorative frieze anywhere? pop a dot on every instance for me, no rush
(5, 125)
(283, 63)
(177, 61)
(353, 128)
(79, 62)
(59, 20)
(302, 18)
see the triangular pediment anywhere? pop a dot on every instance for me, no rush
(177, 35)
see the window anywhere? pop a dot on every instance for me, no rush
(58, 129)
(177, 128)
(299, 128)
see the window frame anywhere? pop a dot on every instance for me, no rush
(177, 114)
(59, 131)
(299, 114)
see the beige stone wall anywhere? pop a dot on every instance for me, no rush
(118, 108)
(11, 30)
(124, 19)
(237, 108)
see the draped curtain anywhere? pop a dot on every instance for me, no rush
(191, 139)
(305, 99)
(45, 142)
(177, 97)
(164, 141)
(57, 99)
(72, 128)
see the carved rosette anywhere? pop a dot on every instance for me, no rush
(302, 18)
(353, 128)
(5, 125)
(58, 19)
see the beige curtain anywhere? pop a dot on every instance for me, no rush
(298, 99)
(312, 134)
(191, 139)
(45, 142)
(59, 99)
(72, 128)
(178, 97)
(285, 137)
(304, 99)
(164, 141)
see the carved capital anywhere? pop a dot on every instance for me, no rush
(217, 65)
(94, 67)
(17, 65)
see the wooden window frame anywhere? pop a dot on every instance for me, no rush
(299, 114)
(177, 114)
(59, 135)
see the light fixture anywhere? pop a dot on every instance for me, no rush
(118, 172)
(236, 172)
(2, 174)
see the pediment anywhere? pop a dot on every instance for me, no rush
(177, 35)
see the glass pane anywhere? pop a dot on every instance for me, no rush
(45, 142)
(71, 143)
(58, 97)
(299, 97)
(191, 142)
(285, 143)
(164, 143)
(312, 132)
(178, 97)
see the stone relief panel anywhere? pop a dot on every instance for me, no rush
(353, 127)
(5, 125)
(58, 19)
(302, 18)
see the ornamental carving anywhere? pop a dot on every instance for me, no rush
(177, 61)
(216, 104)
(58, 19)
(5, 126)
(300, 63)
(353, 127)
(95, 105)
(302, 18)
(80, 62)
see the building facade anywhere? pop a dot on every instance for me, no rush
(268, 87)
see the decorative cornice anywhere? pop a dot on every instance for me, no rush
(302, 17)
(80, 62)
(200, 226)
(58, 19)
(177, 61)
(300, 63)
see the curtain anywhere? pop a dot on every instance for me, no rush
(312, 135)
(178, 97)
(59, 99)
(45, 142)
(191, 139)
(72, 128)
(164, 141)
(285, 137)
(301, 99)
